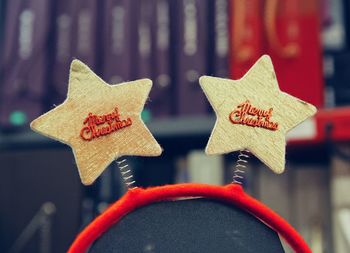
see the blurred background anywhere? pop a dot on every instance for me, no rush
(43, 205)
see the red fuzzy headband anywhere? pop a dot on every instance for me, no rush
(231, 194)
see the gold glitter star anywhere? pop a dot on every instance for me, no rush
(100, 122)
(253, 114)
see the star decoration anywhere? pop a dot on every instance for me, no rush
(100, 122)
(253, 114)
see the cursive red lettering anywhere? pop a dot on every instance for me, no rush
(246, 114)
(102, 125)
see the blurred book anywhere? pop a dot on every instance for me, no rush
(218, 17)
(2, 23)
(337, 77)
(117, 41)
(246, 35)
(205, 169)
(145, 14)
(311, 213)
(62, 48)
(145, 48)
(75, 36)
(191, 53)
(340, 197)
(182, 174)
(161, 96)
(343, 216)
(275, 190)
(293, 40)
(346, 15)
(333, 24)
(85, 28)
(24, 62)
(300, 195)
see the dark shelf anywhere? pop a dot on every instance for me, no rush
(181, 127)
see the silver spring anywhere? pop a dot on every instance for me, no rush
(126, 173)
(241, 165)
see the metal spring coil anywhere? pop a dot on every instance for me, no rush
(126, 173)
(241, 165)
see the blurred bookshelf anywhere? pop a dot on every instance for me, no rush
(171, 128)
(313, 130)
(317, 174)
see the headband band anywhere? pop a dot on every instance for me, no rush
(231, 194)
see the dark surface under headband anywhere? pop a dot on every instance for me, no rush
(232, 195)
(188, 226)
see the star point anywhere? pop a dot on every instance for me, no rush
(253, 114)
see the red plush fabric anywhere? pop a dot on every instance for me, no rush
(231, 194)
